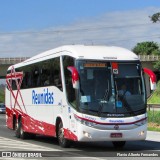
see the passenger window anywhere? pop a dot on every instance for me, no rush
(45, 73)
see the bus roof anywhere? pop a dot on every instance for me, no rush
(110, 53)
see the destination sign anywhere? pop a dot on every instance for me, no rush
(95, 65)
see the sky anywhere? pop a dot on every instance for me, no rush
(29, 27)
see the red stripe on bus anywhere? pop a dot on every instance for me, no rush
(101, 123)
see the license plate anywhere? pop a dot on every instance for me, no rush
(116, 135)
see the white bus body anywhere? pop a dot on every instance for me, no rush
(56, 94)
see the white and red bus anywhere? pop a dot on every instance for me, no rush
(75, 93)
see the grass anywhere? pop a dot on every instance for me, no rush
(2, 87)
(153, 127)
(154, 121)
(154, 116)
(1, 96)
(155, 97)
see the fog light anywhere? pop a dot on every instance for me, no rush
(86, 134)
(141, 133)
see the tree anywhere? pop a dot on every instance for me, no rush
(146, 48)
(157, 65)
(155, 17)
(2, 93)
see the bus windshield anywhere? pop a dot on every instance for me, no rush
(108, 92)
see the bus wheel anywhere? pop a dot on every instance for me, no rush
(17, 129)
(23, 135)
(62, 141)
(119, 144)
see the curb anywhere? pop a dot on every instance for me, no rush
(153, 136)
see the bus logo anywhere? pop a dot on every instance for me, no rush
(44, 97)
(116, 127)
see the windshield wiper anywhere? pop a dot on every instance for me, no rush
(126, 105)
(100, 109)
(103, 101)
(106, 95)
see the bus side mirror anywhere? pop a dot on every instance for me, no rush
(75, 76)
(152, 76)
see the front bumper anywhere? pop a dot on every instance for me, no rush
(88, 134)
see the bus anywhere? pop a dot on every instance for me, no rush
(74, 93)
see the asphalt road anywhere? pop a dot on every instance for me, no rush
(48, 146)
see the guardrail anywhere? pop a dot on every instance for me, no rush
(13, 60)
(149, 57)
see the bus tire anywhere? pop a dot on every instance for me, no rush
(23, 135)
(63, 142)
(119, 144)
(17, 129)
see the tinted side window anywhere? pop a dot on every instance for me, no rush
(45, 73)
(71, 95)
(57, 73)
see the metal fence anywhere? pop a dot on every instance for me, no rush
(149, 57)
(12, 60)
(154, 113)
(15, 60)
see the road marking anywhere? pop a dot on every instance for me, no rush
(10, 144)
(7, 144)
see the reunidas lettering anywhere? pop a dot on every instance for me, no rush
(42, 98)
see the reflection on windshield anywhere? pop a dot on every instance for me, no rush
(130, 94)
(95, 86)
(130, 89)
(104, 93)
